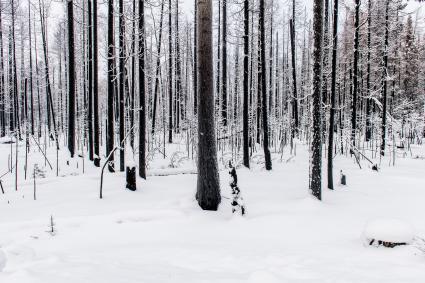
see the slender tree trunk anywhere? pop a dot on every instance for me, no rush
(110, 79)
(246, 86)
(295, 121)
(355, 73)
(384, 80)
(95, 89)
(224, 68)
(71, 79)
(142, 92)
(368, 99)
(267, 156)
(208, 183)
(333, 95)
(158, 69)
(90, 79)
(170, 76)
(122, 78)
(316, 144)
(2, 82)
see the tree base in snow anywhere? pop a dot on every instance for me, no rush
(131, 178)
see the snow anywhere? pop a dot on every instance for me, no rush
(389, 230)
(159, 233)
(2, 260)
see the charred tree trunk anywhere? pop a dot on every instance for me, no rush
(208, 183)
(71, 79)
(170, 76)
(96, 133)
(384, 80)
(90, 81)
(122, 78)
(333, 95)
(316, 145)
(267, 156)
(355, 74)
(110, 124)
(246, 86)
(295, 121)
(224, 68)
(142, 92)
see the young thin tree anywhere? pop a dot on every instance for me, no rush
(208, 183)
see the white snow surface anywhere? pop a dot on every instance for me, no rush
(2, 260)
(389, 230)
(159, 233)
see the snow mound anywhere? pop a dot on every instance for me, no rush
(2, 260)
(388, 230)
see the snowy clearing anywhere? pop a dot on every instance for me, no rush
(159, 234)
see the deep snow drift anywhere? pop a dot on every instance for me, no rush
(159, 234)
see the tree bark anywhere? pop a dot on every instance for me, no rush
(316, 145)
(208, 183)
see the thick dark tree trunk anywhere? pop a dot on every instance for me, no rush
(208, 184)
(267, 156)
(316, 144)
(333, 95)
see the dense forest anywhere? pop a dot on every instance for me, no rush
(121, 80)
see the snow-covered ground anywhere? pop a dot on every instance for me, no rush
(159, 234)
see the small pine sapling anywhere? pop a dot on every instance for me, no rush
(237, 200)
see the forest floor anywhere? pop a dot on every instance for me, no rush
(159, 233)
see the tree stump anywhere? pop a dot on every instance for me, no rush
(131, 178)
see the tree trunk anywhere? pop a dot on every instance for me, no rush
(142, 92)
(246, 86)
(208, 183)
(355, 74)
(316, 145)
(267, 156)
(333, 95)
(384, 80)
(95, 89)
(110, 125)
